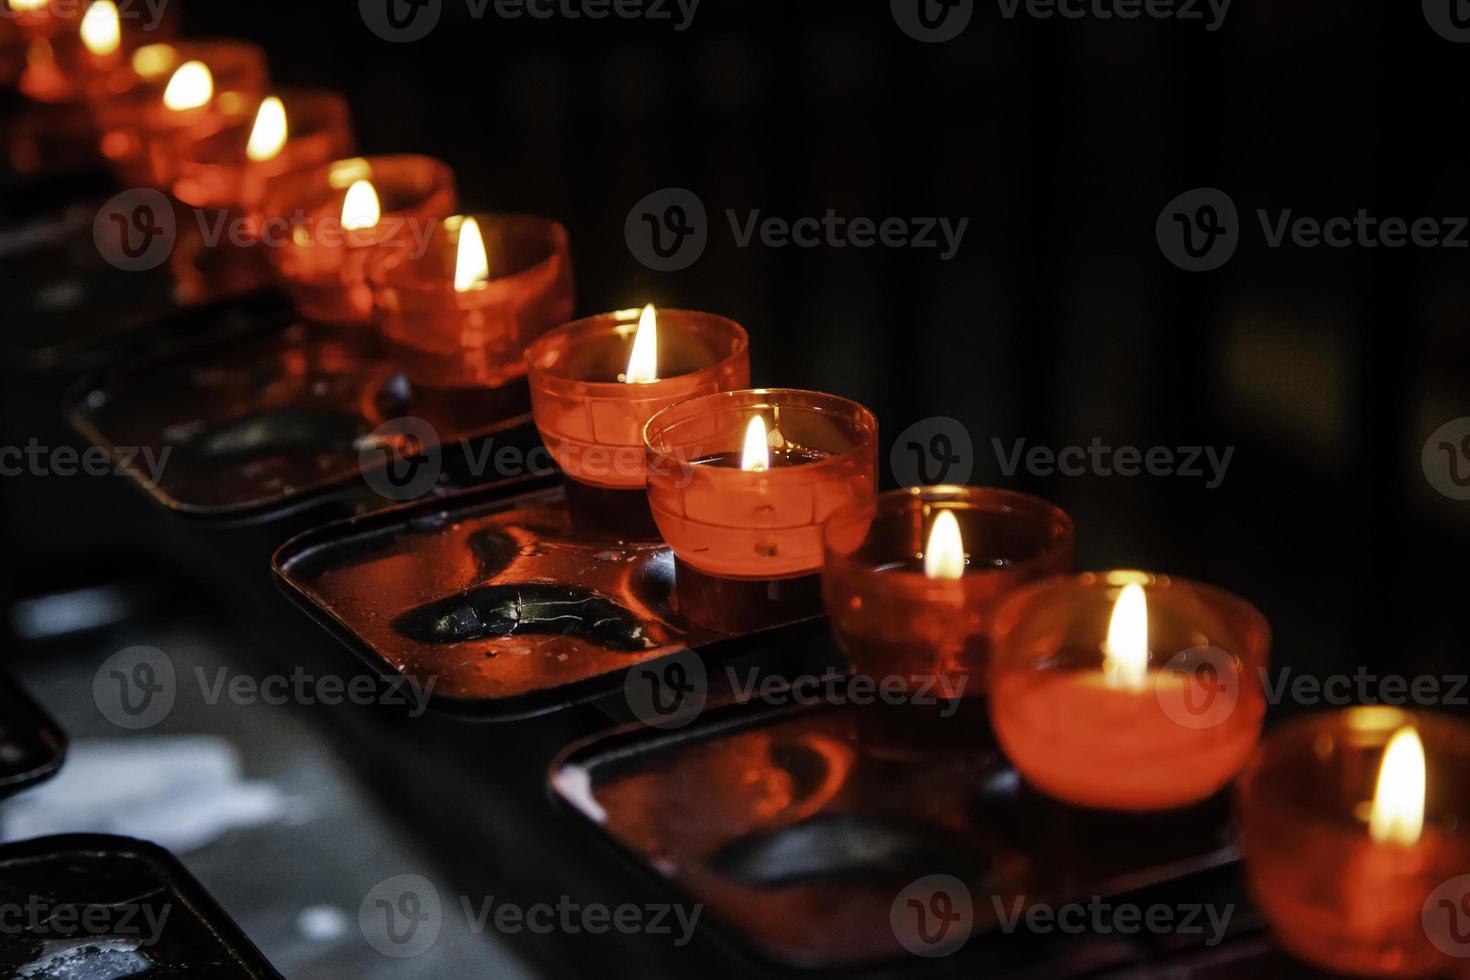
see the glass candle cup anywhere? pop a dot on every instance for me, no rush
(1342, 886)
(142, 138)
(322, 263)
(449, 338)
(1125, 690)
(591, 422)
(739, 532)
(218, 171)
(899, 610)
(90, 41)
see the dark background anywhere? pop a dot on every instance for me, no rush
(1059, 320)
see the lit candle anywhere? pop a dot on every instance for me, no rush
(596, 382)
(1127, 691)
(343, 213)
(740, 484)
(1343, 851)
(166, 97)
(460, 314)
(230, 169)
(225, 177)
(910, 579)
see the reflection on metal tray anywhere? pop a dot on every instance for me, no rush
(240, 422)
(499, 602)
(32, 747)
(804, 830)
(114, 907)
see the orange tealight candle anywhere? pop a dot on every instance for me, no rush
(285, 133)
(460, 314)
(596, 382)
(339, 215)
(169, 95)
(222, 182)
(1355, 828)
(72, 61)
(910, 579)
(1127, 691)
(740, 484)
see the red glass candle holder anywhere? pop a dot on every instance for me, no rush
(893, 619)
(141, 137)
(218, 172)
(88, 42)
(1173, 733)
(473, 338)
(222, 188)
(321, 264)
(738, 534)
(12, 54)
(1335, 895)
(591, 422)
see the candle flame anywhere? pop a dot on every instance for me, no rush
(268, 135)
(360, 208)
(756, 456)
(472, 262)
(102, 28)
(152, 60)
(643, 362)
(1397, 816)
(191, 86)
(1125, 653)
(944, 557)
(28, 6)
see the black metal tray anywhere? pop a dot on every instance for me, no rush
(32, 746)
(396, 585)
(113, 906)
(809, 832)
(258, 412)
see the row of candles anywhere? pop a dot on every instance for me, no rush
(1118, 690)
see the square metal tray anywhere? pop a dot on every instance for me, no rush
(802, 829)
(494, 596)
(259, 412)
(155, 919)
